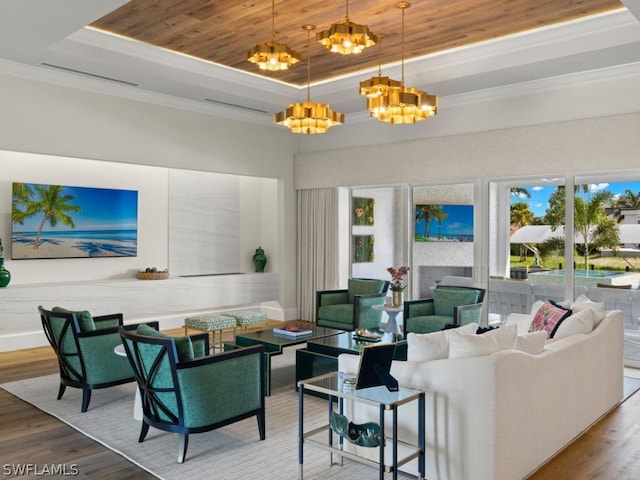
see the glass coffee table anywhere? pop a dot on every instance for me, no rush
(321, 354)
(274, 344)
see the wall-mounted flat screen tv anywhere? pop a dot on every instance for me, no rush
(59, 221)
(444, 223)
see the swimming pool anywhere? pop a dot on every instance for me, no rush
(582, 273)
(586, 278)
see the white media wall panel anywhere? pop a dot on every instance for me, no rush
(204, 223)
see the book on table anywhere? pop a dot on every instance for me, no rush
(292, 330)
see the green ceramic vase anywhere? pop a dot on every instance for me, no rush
(5, 275)
(259, 259)
(364, 435)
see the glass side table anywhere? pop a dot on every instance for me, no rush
(332, 385)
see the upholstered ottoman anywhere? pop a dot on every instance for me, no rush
(211, 322)
(246, 318)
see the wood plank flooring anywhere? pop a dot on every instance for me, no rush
(609, 450)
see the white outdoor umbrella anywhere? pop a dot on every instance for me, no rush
(535, 234)
(629, 233)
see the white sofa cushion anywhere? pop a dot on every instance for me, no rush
(422, 347)
(597, 308)
(531, 343)
(579, 322)
(503, 338)
(521, 320)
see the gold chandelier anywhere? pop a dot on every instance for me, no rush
(273, 55)
(404, 104)
(308, 117)
(376, 89)
(348, 37)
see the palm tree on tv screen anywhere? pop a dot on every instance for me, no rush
(423, 212)
(440, 216)
(49, 201)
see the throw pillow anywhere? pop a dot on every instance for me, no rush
(548, 318)
(422, 347)
(503, 338)
(183, 344)
(598, 308)
(85, 320)
(531, 343)
(579, 322)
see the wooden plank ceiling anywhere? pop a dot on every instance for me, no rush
(223, 31)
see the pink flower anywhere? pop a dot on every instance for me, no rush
(397, 275)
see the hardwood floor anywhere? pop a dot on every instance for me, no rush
(609, 450)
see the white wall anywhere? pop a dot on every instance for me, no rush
(605, 144)
(55, 120)
(204, 223)
(151, 184)
(386, 229)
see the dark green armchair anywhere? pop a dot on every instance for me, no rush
(84, 347)
(183, 392)
(452, 305)
(351, 308)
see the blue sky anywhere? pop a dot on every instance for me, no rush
(102, 209)
(540, 194)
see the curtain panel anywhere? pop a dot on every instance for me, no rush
(317, 264)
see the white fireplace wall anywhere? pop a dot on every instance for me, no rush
(440, 254)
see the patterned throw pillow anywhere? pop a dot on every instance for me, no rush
(548, 318)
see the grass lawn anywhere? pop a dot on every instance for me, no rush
(599, 263)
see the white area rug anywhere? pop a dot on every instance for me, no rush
(234, 451)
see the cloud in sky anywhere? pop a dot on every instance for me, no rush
(596, 187)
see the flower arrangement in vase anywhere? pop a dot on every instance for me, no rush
(397, 287)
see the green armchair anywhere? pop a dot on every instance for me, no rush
(84, 347)
(450, 305)
(351, 308)
(184, 393)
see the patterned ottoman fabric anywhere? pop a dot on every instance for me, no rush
(210, 321)
(247, 317)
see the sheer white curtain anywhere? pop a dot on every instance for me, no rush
(317, 267)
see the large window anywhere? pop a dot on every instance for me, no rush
(537, 250)
(527, 254)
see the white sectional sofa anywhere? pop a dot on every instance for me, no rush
(501, 416)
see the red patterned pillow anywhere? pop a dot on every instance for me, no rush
(548, 318)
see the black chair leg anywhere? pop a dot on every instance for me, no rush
(261, 428)
(143, 431)
(86, 398)
(63, 387)
(183, 443)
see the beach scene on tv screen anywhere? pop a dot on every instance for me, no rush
(58, 221)
(444, 223)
